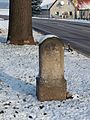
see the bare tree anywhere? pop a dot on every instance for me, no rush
(20, 22)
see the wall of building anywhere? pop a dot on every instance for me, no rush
(62, 9)
(45, 13)
(84, 14)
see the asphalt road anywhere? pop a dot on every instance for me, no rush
(77, 34)
(5, 17)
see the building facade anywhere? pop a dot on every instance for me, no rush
(62, 9)
(84, 9)
(59, 9)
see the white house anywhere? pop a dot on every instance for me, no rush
(59, 8)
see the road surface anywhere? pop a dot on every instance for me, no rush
(75, 33)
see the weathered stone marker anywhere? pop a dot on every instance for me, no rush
(51, 84)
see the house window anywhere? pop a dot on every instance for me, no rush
(56, 13)
(70, 13)
(60, 4)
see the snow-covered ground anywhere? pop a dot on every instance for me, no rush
(72, 20)
(4, 26)
(3, 30)
(4, 11)
(19, 66)
(77, 20)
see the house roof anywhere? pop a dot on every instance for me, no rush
(81, 6)
(48, 6)
(46, 2)
(84, 6)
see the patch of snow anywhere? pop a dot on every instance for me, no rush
(3, 30)
(77, 20)
(4, 26)
(1, 19)
(72, 20)
(46, 2)
(4, 11)
(45, 37)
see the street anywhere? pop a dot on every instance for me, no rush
(75, 33)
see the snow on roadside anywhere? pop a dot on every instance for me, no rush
(18, 70)
(3, 30)
(4, 11)
(72, 20)
(3, 27)
(77, 20)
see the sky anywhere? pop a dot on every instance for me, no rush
(4, 0)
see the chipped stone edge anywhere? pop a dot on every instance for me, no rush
(43, 38)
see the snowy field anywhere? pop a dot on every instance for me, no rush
(18, 70)
(4, 11)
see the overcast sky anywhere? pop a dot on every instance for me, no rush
(4, 0)
(44, 1)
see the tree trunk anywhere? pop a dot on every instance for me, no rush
(20, 22)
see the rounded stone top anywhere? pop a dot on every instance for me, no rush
(48, 37)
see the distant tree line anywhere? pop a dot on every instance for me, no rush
(36, 7)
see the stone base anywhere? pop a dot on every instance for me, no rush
(47, 92)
